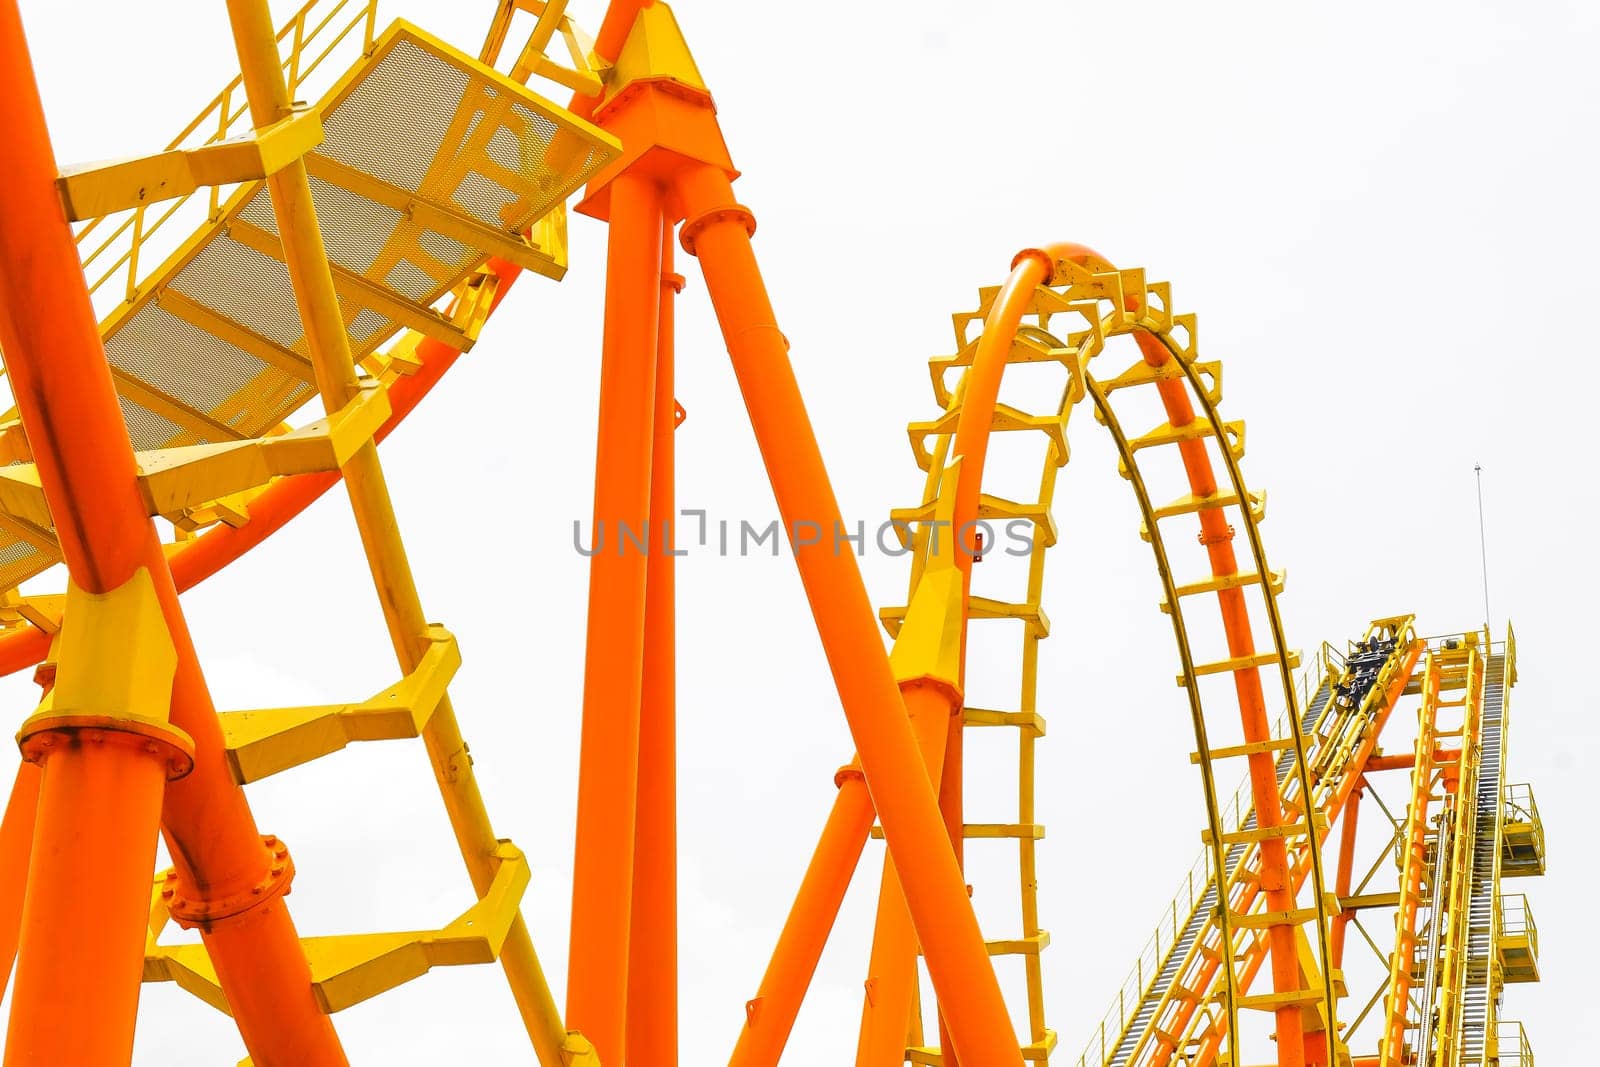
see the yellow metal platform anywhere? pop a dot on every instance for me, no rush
(430, 163)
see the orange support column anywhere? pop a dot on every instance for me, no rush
(1217, 537)
(892, 972)
(1345, 872)
(718, 232)
(602, 878)
(16, 844)
(653, 944)
(83, 923)
(770, 1014)
(104, 767)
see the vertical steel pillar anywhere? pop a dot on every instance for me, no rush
(653, 943)
(101, 789)
(602, 877)
(16, 845)
(718, 232)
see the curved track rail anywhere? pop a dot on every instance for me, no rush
(1104, 303)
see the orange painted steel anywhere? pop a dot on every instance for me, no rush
(1217, 537)
(1395, 762)
(653, 939)
(892, 975)
(614, 27)
(906, 804)
(770, 1014)
(602, 878)
(608, 41)
(892, 970)
(1345, 872)
(1030, 269)
(1414, 865)
(83, 922)
(16, 843)
(103, 793)
(1336, 804)
(951, 786)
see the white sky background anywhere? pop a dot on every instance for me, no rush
(1382, 214)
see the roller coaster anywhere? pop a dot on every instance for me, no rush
(334, 229)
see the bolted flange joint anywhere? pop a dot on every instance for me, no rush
(47, 733)
(190, 911)
(732, 212)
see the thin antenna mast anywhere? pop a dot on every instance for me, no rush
(1483, 550)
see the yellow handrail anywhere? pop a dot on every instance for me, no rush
(1130, 993)
(124, 237)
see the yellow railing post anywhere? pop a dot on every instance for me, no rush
(337, 382)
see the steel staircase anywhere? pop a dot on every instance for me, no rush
(1482, 987)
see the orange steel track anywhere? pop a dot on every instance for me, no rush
(99, 785)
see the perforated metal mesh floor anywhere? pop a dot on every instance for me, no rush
(427, 155)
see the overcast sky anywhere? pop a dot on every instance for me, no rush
(1382, 213)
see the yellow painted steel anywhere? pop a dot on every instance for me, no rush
(1523, 831)
(116, 662)
(107, 188)
(265, 742)
(220, 439)
(349, 969)
(207, 346)
(1461, 669)
(213, 435)
(1516, 939)
(1414, 863)
(1098, 302)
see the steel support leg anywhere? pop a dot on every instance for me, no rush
(602, 877)
(719, 232)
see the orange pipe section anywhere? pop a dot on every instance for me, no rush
(770, 1015)
(613, 34)
(16, 845)
(951, 787)
(1396, 762)
(1217, 536)
(602, 878)
(82, 940)
(1346, 871)
(194, 561)
(846, 624)
(653, 945)
(88, 901)
(1030, 269)
(892, 970)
